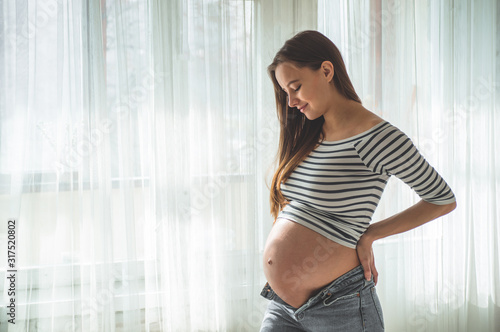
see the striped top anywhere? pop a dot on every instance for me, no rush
(335, 190)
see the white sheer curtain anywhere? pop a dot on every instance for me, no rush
(76, 83)
(135, 141)
(432, 68)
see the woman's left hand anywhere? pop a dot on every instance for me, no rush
(365, 255)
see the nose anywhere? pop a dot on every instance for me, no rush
(292, 101)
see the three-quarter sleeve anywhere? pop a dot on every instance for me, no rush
(391, 152)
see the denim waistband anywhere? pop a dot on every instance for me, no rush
(352, 276)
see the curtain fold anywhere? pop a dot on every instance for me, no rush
(431, 68)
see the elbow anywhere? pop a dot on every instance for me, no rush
(441, 210)
(450, 207)
(454, 205)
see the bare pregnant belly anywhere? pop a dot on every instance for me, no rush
(298, 262)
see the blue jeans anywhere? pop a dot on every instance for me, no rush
(350, 303)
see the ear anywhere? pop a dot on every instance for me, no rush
(328, 70)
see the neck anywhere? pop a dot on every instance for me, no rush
(340, 114)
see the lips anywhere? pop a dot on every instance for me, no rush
(302, 108)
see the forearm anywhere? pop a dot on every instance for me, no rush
(414, 216)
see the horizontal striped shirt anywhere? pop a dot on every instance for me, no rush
(335, 190)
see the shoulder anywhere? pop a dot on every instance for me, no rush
(381, 133)
(366, 120)
(384, 141)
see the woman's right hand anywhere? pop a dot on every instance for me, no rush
(366, 257)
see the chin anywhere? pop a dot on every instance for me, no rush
(312, 117)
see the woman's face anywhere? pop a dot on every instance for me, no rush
(308, 90)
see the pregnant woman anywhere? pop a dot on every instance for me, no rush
(335, 158)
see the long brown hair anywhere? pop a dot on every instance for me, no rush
(299, 135)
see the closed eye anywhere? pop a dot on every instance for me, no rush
(296, 90)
